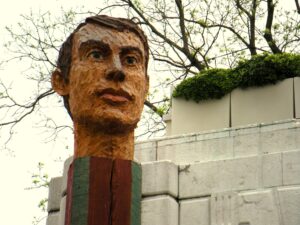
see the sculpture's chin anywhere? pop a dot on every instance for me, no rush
(107, 125)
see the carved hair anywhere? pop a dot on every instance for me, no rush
(65, 54)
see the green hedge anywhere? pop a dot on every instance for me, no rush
(260, 70)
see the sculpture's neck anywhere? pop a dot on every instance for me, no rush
(89, 142)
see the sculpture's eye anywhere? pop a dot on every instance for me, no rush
(97, 55)
(130, 60)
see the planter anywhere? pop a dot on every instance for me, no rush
(262, 104)
(168, 121)
(190, 117)
(297, 96)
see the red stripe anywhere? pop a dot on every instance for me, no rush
(121, 192)
(100, 191)
(69, 195)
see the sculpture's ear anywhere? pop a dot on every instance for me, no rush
(59, 85)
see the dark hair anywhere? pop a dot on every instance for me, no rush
(121, 24)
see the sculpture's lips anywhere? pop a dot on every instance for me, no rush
(114, 96)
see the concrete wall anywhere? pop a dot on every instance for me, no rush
(241, 107)
(262, 104)
(242, 176)
(188, 116)
(229, 143)
(297, 96)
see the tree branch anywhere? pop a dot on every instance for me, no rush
(268, 30)
(152, 107)
(182, 25)
(222, 26)
(30, 106)
(297, 6)
(192, 58)
(251, 18)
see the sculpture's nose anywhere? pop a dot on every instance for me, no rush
(116, 73)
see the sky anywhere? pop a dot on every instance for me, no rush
(17, 204)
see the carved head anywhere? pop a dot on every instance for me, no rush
(102, 73)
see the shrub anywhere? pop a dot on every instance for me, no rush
(210, 84)
(260, 70)
(266, 69)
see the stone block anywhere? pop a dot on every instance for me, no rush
(223, 133)
(297, 96)
(245, 129)
(195, 212)
(62, 214)
(223, 208)
(160, 210)
(65, 175)
(262, 104)
(289, 198)
(272, 170)
(291, 167)
(54, 194)
(190, 117)
(160, 178)
(178, 153)
(196, 180)
(245, 173)
(246, 145)
(145, 151)
(201, 179)
(297, 134)
(258, 208)
(200, 151)
(175, 140)
(53, 218)
(277, 125)
(213, 149)
(278, 141)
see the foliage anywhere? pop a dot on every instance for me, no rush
(258, 71)
(40, 179)
(267, 69)
(209, 84)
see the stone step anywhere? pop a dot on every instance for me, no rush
(223, 144)
(204, 178)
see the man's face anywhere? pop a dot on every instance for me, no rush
(107, 81)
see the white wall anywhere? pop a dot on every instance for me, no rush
(239, 176)
(188, 116)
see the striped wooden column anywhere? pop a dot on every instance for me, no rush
(103, 191)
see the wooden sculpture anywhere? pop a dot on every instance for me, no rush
(102, 76)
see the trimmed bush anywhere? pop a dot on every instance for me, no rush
(210, 84)
(260, 70)
(266, 69)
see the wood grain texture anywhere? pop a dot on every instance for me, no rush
(121, 192)
(100, 191)
(80, 191)
(69, 196)
(136, 193)
(103, 191)
(106, 97)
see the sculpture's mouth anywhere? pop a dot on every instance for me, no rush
(113, 96)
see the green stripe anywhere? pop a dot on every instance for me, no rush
(80, 192)
(136, 193)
